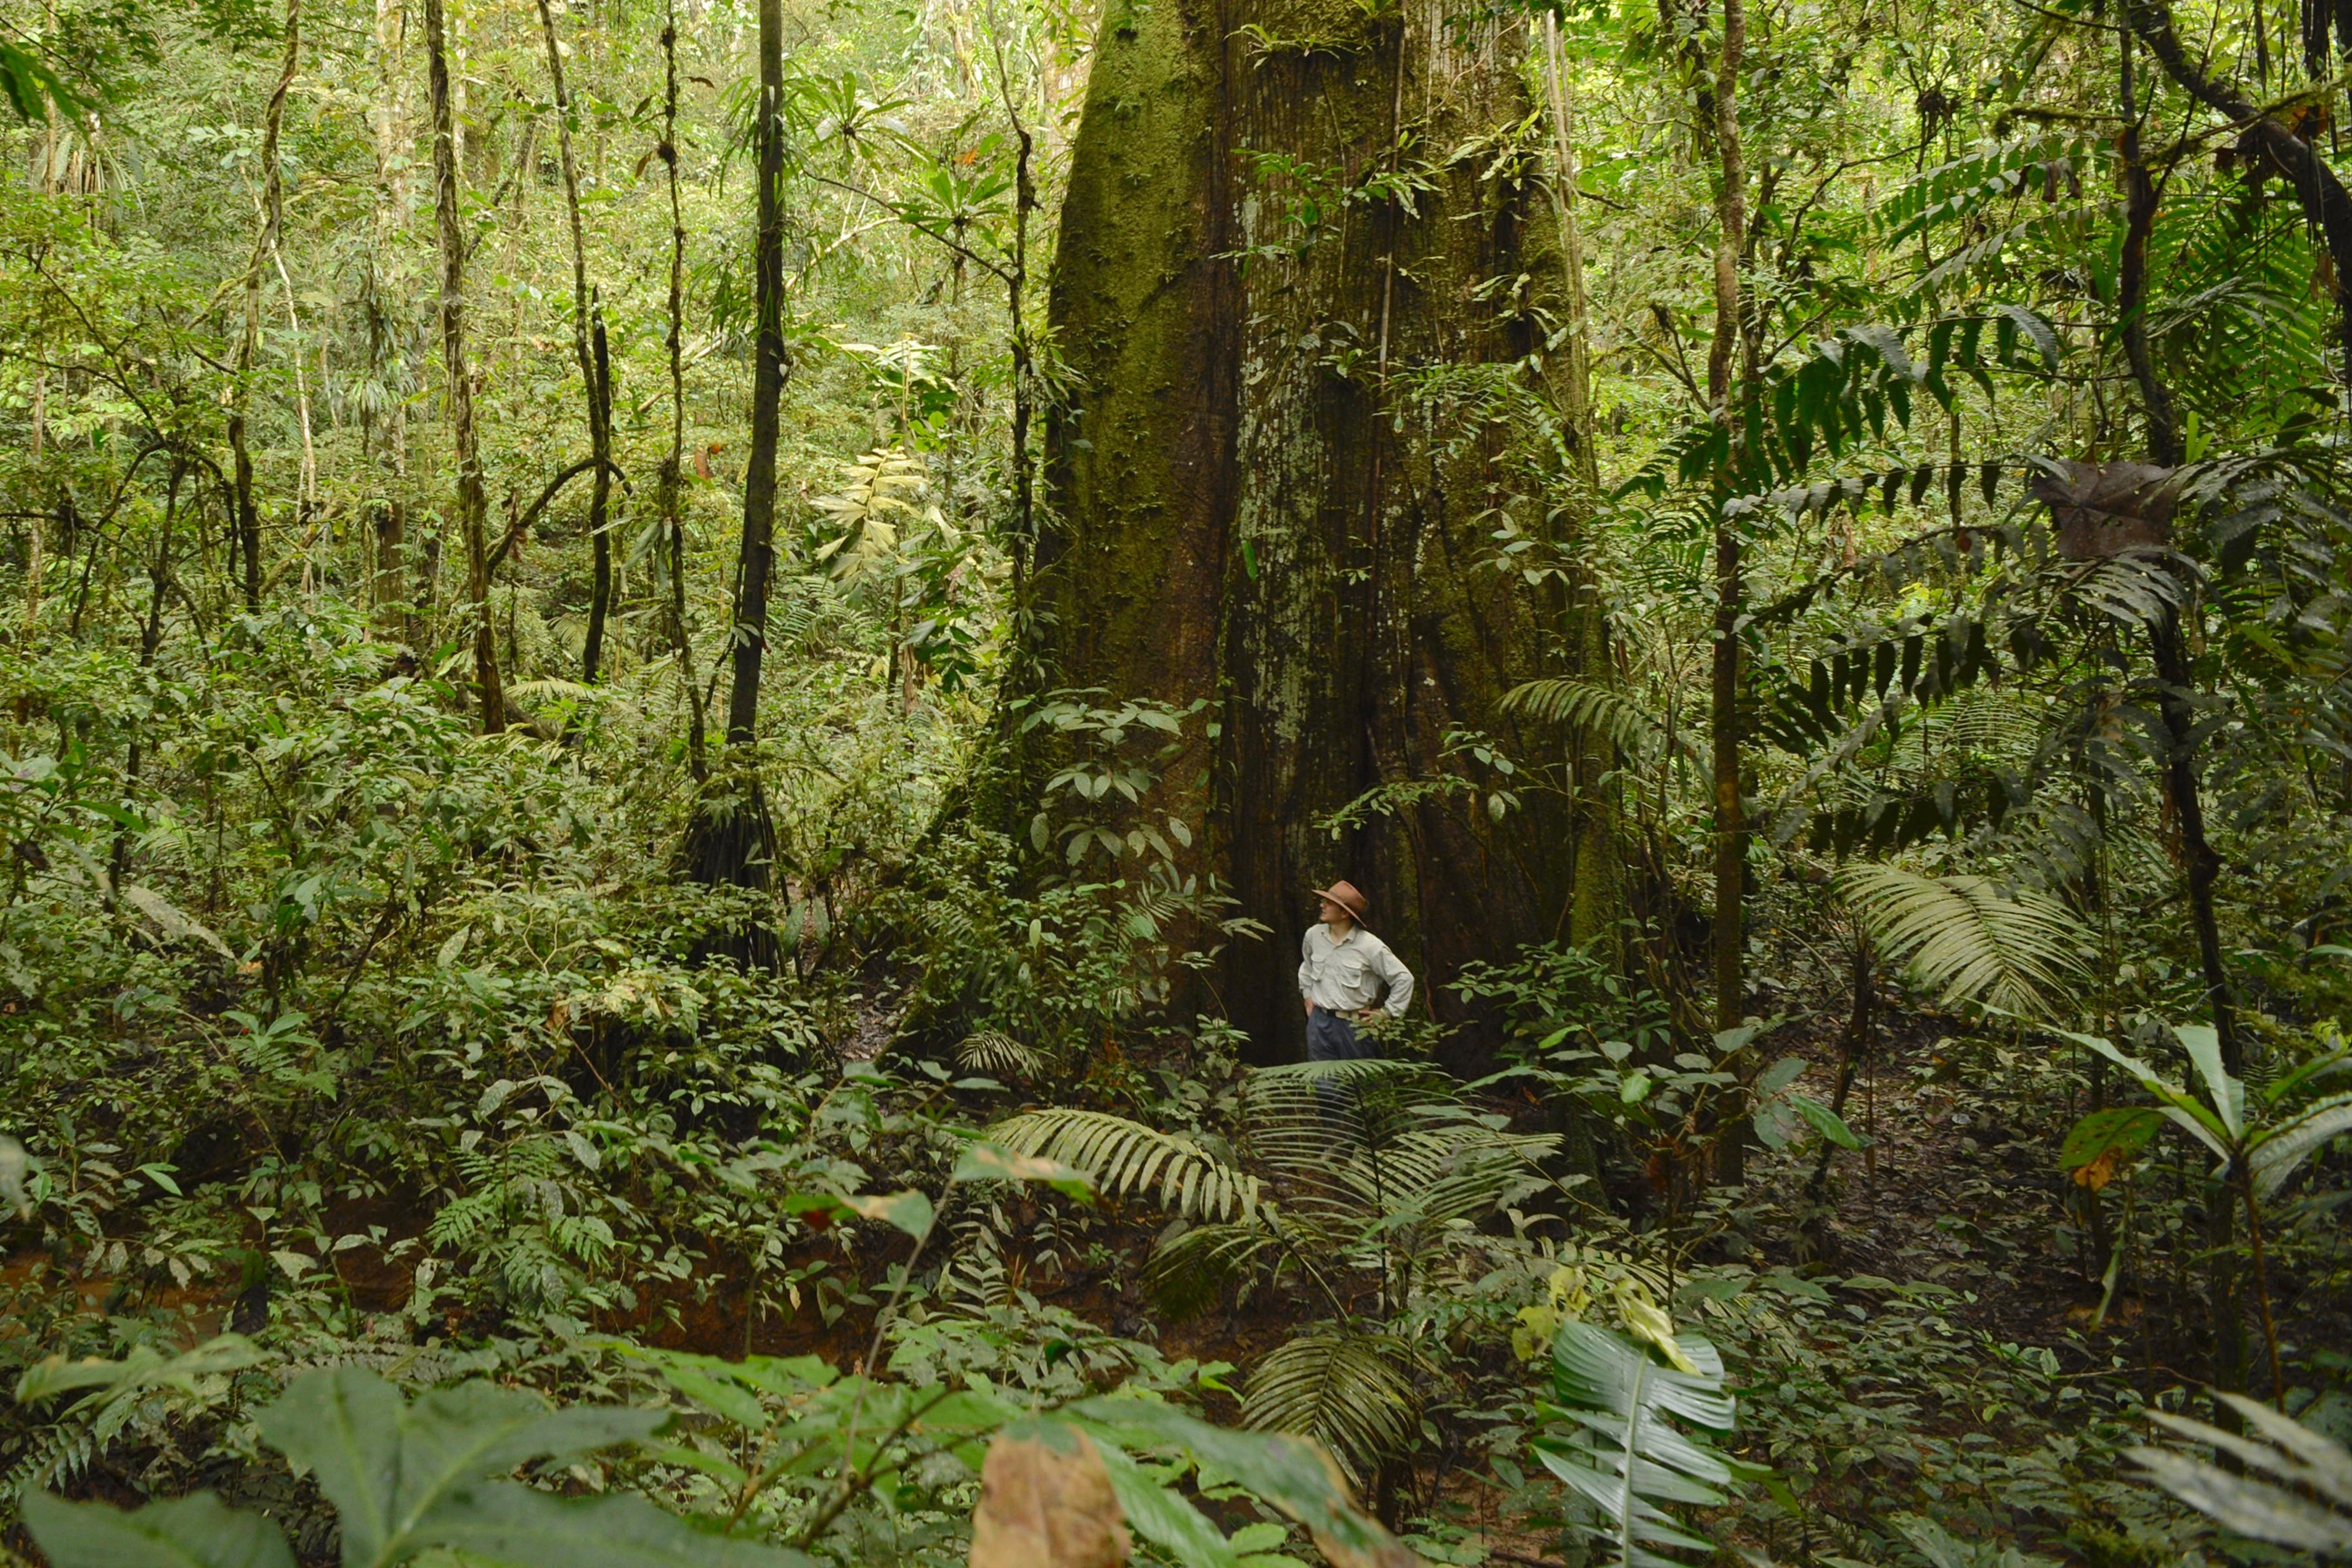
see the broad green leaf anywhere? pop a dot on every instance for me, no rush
(194, 1531)
(718, 1393)
(2248, 1506)
(142, 1368)
(1162, 1518)
(2279, 1151)
(391, 1469)
(173, 920)
(2225, 1094)
(508, 1522)
(2179, 1106)
(1286, 1471)
(909, 1211)
(15, 1166)
(2124, 1128)
(1825, 1121)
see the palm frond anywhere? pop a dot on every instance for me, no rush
(1461, 1170)
(1963, 936)
(1123, 1157)
(1601, 712)
(570, 690)
(1351, 1393)
(1302, 1119)
(2136, 588)
(998, 1054)
(1190, 1267)
(2291, 1454)
(1620, 1454)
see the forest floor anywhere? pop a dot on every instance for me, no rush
(1956, 1190)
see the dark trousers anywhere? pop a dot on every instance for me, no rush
(1332, 1037)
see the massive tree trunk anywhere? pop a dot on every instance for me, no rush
(1275, 484)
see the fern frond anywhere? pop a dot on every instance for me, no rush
(1123, 1157)
(1302, 1119)
(999, 1055)
(1351, 1393)
(1457, 1171)
(1965, 936)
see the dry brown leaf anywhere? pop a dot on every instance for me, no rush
(1042, 1508)
(2105, 509)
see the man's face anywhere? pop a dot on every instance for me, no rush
(1333, 913)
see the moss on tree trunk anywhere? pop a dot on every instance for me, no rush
(1275, 484)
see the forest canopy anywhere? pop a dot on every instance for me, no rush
(679, 680)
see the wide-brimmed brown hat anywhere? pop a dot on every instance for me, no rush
(1345, 895)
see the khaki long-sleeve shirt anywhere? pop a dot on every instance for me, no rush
(1356, 972)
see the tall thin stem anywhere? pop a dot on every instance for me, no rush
(673, 474)
(587, 338)
(473, 502)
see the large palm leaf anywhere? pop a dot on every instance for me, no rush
(2306, 1503)
(1123, 1157)
(1617, 1447)
(1350, 1392)
(1968, 938)
(1603, 713)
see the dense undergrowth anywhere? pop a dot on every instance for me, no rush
(426, 1028)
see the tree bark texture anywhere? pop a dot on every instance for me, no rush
(248, 511)
(732, 839)
(757, 560)
(473, 502)
(1269, 486)
(595, 374)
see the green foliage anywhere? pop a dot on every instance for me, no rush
(408, 1478)
(1350, 1392)
(1615, 1446)
(2289, 1485)
(1969, 938)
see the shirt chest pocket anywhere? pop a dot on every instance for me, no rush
(1351, 970)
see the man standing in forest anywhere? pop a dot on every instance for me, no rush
(1346, 976)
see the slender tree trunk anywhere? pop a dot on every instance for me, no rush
(307, 485)
(473, 502)
(1017, 290)
(2202, 866)
(393, 146)
(265, 243)
(587, 343)
(151, 637)
(757, 559)
(732, 836)
(1729, 936)
(673, 474)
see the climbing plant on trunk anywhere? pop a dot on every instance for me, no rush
(1272, 483)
